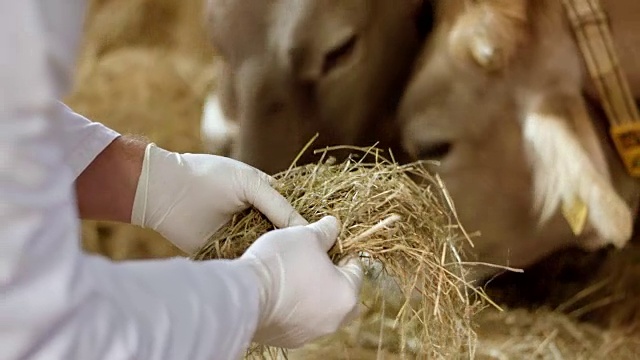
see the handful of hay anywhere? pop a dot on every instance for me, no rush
(399, 219)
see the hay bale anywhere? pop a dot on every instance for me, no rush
(145, 67)
(400, 217)
(167, 24)
(151, 92)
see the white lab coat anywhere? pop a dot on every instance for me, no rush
(57, 302)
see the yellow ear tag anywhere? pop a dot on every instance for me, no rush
(626, 138)
(576, 215)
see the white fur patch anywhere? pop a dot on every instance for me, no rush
(217, 131)
(562, 169)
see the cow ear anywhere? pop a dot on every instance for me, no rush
(570, 173)
(490, 32)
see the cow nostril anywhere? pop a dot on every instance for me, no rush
(434, 151)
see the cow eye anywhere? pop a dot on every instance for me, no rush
(338, 55)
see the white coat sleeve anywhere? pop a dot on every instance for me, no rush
(83, 139)
(57, 302)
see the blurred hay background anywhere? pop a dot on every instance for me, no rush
(146, 67)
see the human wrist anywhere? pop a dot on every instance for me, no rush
(106, 188)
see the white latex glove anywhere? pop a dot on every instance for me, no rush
(188, 197)
(304, 295)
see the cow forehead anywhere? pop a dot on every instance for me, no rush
(283, 20)
(312, 23)
(237, 28)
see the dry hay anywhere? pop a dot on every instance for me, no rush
(510, 334)
(544, 334)
(364, 194)
(167, 24)
(600, 288)
(572, 305)
(375, 334)
(403, 220)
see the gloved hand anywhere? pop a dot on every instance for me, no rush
(304, 295)
(188, 197)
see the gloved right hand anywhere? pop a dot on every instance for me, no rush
(304, 295)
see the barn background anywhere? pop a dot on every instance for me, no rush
(146, 67)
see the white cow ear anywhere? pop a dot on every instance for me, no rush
(489, 33)
(569, 171)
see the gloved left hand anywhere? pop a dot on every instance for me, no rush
(188, 197)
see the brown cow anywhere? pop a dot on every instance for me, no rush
(497, 98)
(293, 68)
